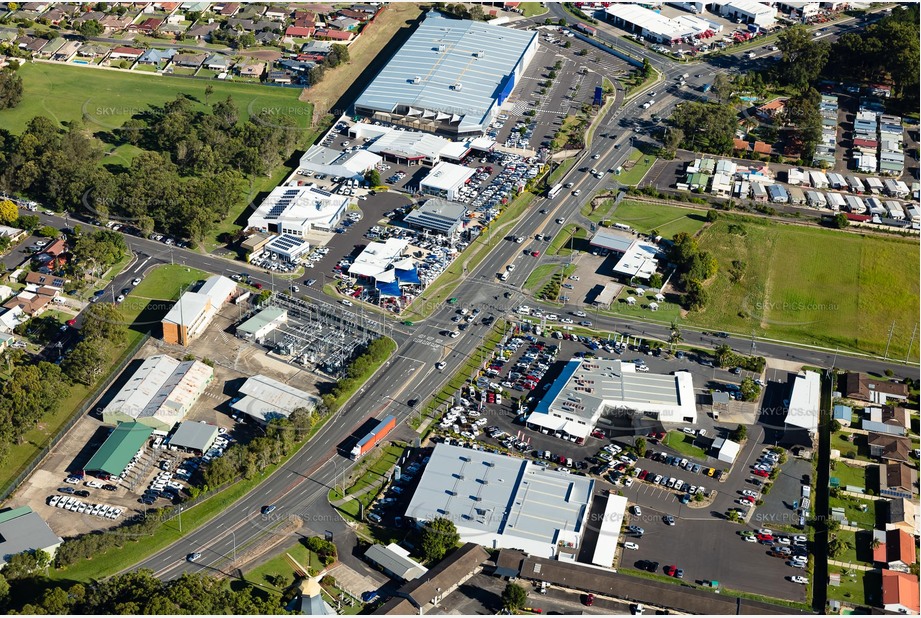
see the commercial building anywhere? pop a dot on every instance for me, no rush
(397, 145)
(323, 160)
(193, 436)
(450, 77)
(637, 259)
(445, 180)
(437, 215)
(587, 389)
(258, 327)
(193, 312)
(749, 12)
(383, 264)
(725, 450)
(263, 398)
(643, 22)
(160, 393)
(803, 407)
(298, 210)
(287, 247)
(120, 446)
(609, 531)
(395, 562)
(22, 529)
(504, 502)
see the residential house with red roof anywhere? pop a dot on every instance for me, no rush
(900, 592)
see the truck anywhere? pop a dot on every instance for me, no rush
(586, 29)
(377, 434)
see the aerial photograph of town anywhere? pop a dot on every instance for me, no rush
(476, 308)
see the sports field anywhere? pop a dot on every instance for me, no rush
(105, 99)
(667, 220)
(812, 285)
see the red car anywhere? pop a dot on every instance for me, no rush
(643, 474)
(748, 499)
(761, 473)
(589, 599)
(535, 254)
(671, 570)
(258, 286)
(764, 537)
(598, 434)
(72, 322)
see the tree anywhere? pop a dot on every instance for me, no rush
(567, 44)
(10, 88)
(373, 178)
(706, 127)
(24, 564)
(86, 361)
(832, 525)
(438, 536)
(749, 389)
(722, 88)
(674, 336)
(838, 546)
(739, 433)
(640, 445)
(673, 138)
(9, 212)
(840, 221)
(724, 355)
(91, 28)
(514, 597)
(802, 57)
(46, 231)
(697, 295)
(209, 90)
(655, 281)
(835, 426)
(341, 51)
(104, 321)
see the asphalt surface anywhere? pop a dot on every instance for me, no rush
(300, 488)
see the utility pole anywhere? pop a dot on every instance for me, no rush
(889, 340)
(911, 343)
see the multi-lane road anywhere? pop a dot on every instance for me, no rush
(300, 487)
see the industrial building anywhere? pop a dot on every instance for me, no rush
(803, 406)
(637, 259)
(298, 210)
(260, 325)
(450, 77)
(437, 215)
(397, 145)
(22, 529)
(749, 12)
(195, 437)
(504, 502)
(445, 180)
(609, 531)
(120, 446)
(160, 393)
(193, 312)
(323, 160)
(586, 389)
(263, 398)
(656, 27)
(395, 562)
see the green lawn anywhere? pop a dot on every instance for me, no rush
(812, 285)
(540, 275)
(376, 472)
(851, 475)
(852, 510)
(666, 220)
(682, 443)
(846, 447)
(561, 243)
(530, 9)
(640, 165)
(277, 575)
(668, 312)
(106, 99)
(852, 586)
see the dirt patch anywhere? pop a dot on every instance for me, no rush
(265, 55)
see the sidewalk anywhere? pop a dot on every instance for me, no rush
(849, 565)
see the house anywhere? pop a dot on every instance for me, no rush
(771, 109)
(49, 281)
(96, 16)
(449, 574)
(900, 513)
(30, 303)
(319, 49)
(227, 10)
(276, 13)
(861, 387)
(251, 70)
(325, 34)
(897, 480)
(280, 77)
(889, 448)
(351, 14)
(54, 16)
(10, 318)
(202, 32)
(897, 551)
(842, 414)
(189, 60)
(292, 32)
(217, 62)
(896, 415)
(900, 592)
(762, 148)
(92, 51)
(267, 37)
(156, 56)
(148, 26)
(36, 45)
(344, 24)
(128, 53)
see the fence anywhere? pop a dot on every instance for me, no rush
(610, 49)
(84, 408)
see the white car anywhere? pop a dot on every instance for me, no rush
(93, 484)
(799, 579)
(766, 531)
(510, 267)
(346, 302)
(454, 334)
(440, 365)
(637, 510)
(136, 281)
(799, 538)
(72, 480)
(750, 493)
(631, 545)
(628, 481)
(580, 314)
(782, 540)
(749, 539)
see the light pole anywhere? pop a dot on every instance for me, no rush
(234, 537)
(180, 519)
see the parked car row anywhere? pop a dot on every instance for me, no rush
(70, 503)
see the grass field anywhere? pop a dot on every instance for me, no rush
(381, 466)
(682, 443)
(666, 220)
(277, 575)
(641, 164)
(540, 275)
(560, 243)
(852, 510)
(530, 9)
(106, 99)
(851, 475)
(852, 586)
(813, 285)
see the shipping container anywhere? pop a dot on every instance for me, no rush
(377, 434)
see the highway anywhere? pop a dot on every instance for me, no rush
(300, 487)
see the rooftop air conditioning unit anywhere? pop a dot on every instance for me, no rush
(442, 48)
(480, 54)
(417, 80)
(457, 86)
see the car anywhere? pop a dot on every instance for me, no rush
(636, 530)
(193, 556)
(799, 538)
(637, 510)
(762, 473)
(750, 493)
(346, 302)
(67, 490)
(799, 579)
(72, 480)
(589, 599)
(268, 509)
(535, 254)
(440, 365)
(669, 520)
(797, 564)
(120, 298)
(650, 566)
(670, 570)
(749, 539)
(72, 322)
(766, 531)
(631, 545)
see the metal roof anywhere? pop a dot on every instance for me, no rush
(437, 215)
(261, 319)
(394, 559)
(264, 397)
(507, 501)
(21, 530)
(443, 53)
(194, 435)
(122, 444)
(803, 410)
(447, 176)
(612, 240)
(609, 531)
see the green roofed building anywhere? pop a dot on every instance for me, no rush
(118, 449)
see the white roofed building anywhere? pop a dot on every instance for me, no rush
(263, 398)
(298, 210)
(445, 180)
(750, 12)
(803, 406)
(323, 160)
(193, 312)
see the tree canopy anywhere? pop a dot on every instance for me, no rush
(438, 536)
(706, 127)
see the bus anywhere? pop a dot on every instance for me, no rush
(554, 191)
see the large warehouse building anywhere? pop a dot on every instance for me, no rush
(450, 77)
(111, 459)
(160, 392)
(263, 398)
(297, 210)
(504, 502)
(445, 180)
(587, 388)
